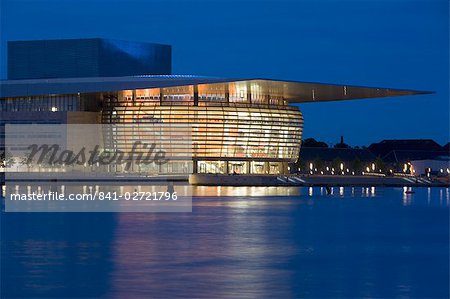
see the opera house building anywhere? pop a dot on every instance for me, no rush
(237, 125)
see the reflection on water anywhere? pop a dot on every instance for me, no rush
(228, 191)
(245, 191)
(281, 242)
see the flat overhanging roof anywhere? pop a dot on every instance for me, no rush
(295, 92)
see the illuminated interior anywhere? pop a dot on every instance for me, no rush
(236, 128)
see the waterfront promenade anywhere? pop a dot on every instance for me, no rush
(312, 180)
(239, 179)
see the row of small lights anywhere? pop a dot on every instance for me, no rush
(368, 169)
(333, 171)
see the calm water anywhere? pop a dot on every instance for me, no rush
(284, 243)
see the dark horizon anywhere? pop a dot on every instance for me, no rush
(337, 141)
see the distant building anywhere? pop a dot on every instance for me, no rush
(447, 148)
(438, 166)
(405, 150)
(420, 153)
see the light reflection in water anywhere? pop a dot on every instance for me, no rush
(407, 196)
(266, 246)
(245, 191)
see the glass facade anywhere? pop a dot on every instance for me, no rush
(236, 127)
(42, 103)
(51, 103)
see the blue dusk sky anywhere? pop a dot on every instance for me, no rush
(382, 43)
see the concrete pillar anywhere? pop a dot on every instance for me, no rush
(195, 166)
(134, 97)
(249, 93)
(227, 93)
(195, 95)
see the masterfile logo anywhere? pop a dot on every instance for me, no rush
(74, 168)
